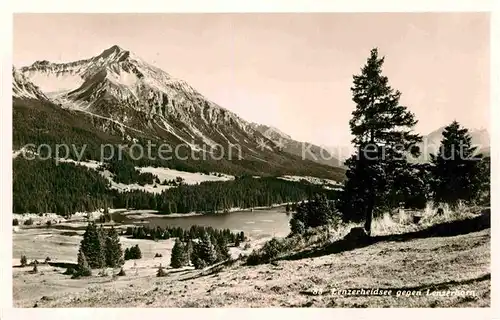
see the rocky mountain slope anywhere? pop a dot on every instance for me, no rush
(126, 97)
(23, 88)
(306, 150)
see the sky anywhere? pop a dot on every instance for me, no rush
(291, 71)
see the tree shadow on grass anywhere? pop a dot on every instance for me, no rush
(446, 229)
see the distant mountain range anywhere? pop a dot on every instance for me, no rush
(117, 96)
(431, 142)
(306, 150)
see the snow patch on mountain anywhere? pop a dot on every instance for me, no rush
(117, 80)
(22, 87)
(188, 177)
(55, 85)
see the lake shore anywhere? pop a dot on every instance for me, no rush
(142, 214)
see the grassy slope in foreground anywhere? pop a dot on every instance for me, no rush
(442, 263)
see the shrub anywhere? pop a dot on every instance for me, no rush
(15, 222)
(47, 260)
(121, 273)
(103, 273)
(28, 222)
(270, 251)
(158, 255)
(161, 272)
(48, 223)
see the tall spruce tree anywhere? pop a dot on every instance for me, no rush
(222, 249)
(179, 256)
(457, 167)
(92, 246)
(382, 130)
(113, 249)
(206, 250)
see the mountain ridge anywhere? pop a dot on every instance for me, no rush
(119, 86)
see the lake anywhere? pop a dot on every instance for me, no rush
(256, 224)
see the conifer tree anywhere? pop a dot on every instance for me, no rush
(457, 168)
(113, 249)
(83, 269)
(222, 249)
(189, 249)
(208, 251)
(161, 272)
(313, 213)
(92, 246)
(135, 252)
(179, 256)
(382, 130)
(297, 226)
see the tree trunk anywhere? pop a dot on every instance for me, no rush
(369, 215)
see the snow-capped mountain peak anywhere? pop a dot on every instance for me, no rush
(23, 88)
(124, 95)
(119, 85)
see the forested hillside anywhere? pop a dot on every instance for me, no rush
(64, 188)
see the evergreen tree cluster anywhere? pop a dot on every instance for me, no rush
(125, 172)
(99, 248)
(173, 182)
(133, 253)
(195, 232)
(380, 176)
(211, 197)
(206, 249)
(33, 123)
(63, 188)
(315, 212)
